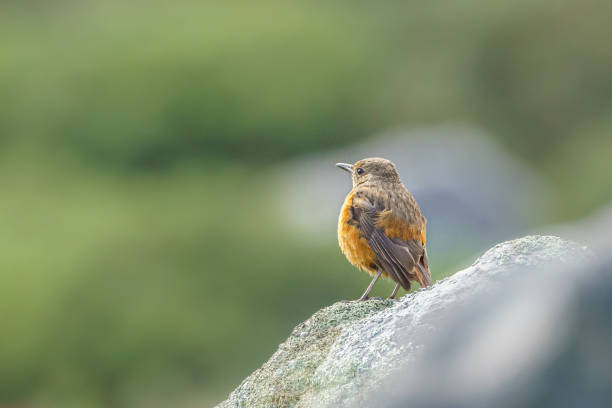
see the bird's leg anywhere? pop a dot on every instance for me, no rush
(367, 291)
(395, 289)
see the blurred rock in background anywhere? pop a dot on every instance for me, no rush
(471, 190)
(593, 230)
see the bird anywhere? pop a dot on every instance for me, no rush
(381, 229)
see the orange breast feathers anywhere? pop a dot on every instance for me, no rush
(355, 246)
(352, 242)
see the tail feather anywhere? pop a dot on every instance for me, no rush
(422, 275)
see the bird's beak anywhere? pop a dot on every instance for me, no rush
(345, 166)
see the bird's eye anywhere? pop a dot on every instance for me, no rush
(360, 170)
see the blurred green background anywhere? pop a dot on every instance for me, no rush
(143, 260)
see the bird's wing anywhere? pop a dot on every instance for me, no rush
(402, 260)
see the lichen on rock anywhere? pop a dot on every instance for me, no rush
(289, 374)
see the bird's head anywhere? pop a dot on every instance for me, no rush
(372, 169)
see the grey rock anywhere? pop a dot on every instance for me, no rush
(459, 334)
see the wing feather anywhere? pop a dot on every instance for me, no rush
(402, 260)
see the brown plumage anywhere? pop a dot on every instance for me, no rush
(381, 228)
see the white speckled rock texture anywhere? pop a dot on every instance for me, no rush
(347, 351)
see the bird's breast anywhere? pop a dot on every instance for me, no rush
(352, 242)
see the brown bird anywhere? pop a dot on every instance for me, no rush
(381, 228)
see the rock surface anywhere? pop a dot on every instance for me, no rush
(372, 353)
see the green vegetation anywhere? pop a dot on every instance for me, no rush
(142, 260)
(112, 284)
